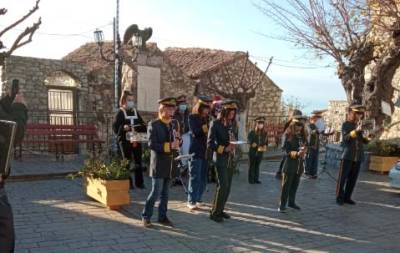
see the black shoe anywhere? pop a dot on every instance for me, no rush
(146, 223)
(282, 209)
(177, 183)
(350, 202)
(166, 222)
(340, 202)
(141, 187)
(314, 177)
(251, 183)
(258, 182)
(278, 175)
(216, 218)
(225, 215)
(294, 206)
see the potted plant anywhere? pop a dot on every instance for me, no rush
(384, 155)
(106, 183)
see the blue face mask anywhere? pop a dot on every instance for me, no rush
(182, 107)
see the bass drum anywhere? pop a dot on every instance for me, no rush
(185, 146)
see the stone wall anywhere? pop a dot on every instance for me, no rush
(336, 114)
(33, 73)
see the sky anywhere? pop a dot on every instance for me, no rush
(234, 25)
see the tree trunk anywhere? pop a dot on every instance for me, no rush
(352, 74)
(379, 87)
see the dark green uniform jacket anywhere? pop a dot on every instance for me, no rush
(294, 144)
(353, 145)
(160, 137)
(256, 141)
(218, 137)
(13, 112)
(314, 137)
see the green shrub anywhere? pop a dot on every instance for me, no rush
(383, 148)
(116, 170)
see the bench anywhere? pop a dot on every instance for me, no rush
(275, 132)
(61, 139)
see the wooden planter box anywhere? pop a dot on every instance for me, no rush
(112, 193)
(382, 164)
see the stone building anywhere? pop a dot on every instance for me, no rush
(80, 87)
(176, 71)
(335, 115)
(53, 89)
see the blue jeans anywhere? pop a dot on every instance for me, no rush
(197, 180)
(158, 186)
(312, 162)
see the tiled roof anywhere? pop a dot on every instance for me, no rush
(196, 61)
(89, 55)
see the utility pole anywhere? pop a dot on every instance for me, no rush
(118, 58)
(269, 64)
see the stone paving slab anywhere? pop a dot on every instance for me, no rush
(44, 165)
(55, 216)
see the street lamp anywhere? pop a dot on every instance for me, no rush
(99, 37)
(133, 35)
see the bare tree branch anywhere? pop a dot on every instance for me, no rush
(27, 34)
(33, 10)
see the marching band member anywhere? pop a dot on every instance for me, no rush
(122, 126)
(216, 108)
(258, 142)
(353, 140)
(163, 142)
(198, 125)
(295, 112)
(12, 108)
(181, 116)
(311, 169)
(295, 149)
(219, 138)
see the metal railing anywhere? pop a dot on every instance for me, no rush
(102, 122)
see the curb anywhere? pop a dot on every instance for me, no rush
(38, 177)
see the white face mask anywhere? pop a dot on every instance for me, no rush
(182, 107)
(130, 104)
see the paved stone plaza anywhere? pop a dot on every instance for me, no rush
(55, 216)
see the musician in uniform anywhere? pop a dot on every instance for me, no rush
(12, 108)
(295, 112)
(295, 149)
(122, 127)
(353, 140)
(258, 142)
(181, 115)
(313, 148)
(219, 138)
(164, 140)
(216, 108)
(198, 125)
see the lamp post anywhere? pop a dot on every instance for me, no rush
(132, 35)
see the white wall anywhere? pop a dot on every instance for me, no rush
(148, 92)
